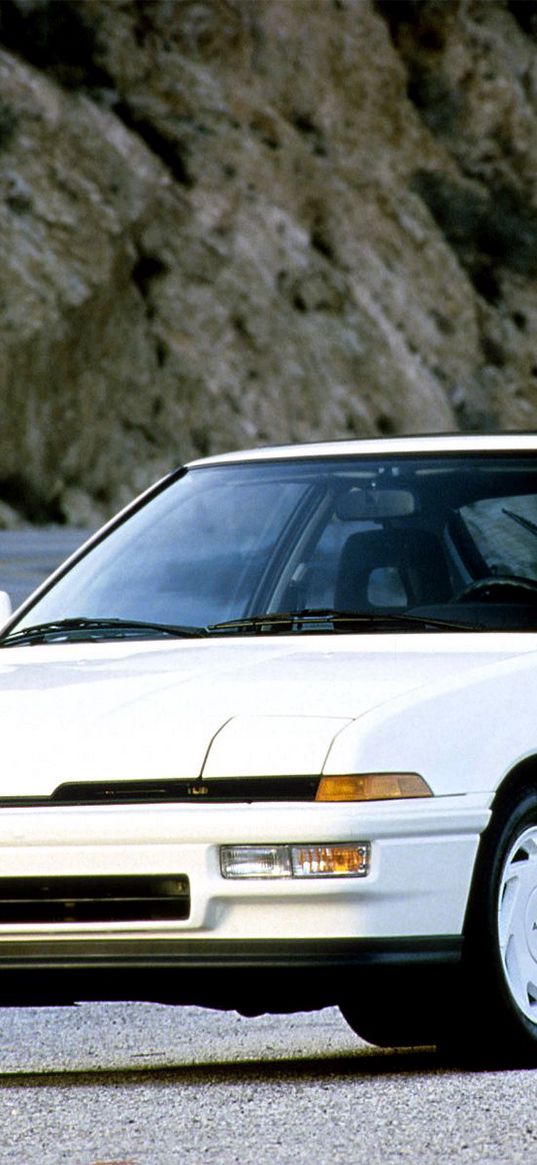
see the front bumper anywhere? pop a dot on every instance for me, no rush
(422, 858)
(252, 976)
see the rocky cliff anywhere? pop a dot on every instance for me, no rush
(233, 222)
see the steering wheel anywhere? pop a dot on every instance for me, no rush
(485, 588)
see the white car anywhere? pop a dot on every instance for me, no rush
(269, 742)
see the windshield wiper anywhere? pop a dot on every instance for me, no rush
(312, 621)
(83, 629)
(328, 620)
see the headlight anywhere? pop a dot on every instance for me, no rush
(319, 860)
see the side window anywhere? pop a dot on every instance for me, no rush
(504, 533)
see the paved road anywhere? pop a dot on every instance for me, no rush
(140, 1084)
(147, 1085)
(28, 556)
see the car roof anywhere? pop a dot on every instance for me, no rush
(384, 446)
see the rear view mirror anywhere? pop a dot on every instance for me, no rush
(359, 505)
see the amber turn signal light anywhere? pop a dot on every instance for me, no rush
(372, 787)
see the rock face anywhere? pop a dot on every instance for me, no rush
(233, 222)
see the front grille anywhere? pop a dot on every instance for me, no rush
(102, 898)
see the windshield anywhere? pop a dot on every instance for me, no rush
(454, 537)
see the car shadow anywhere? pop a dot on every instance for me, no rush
(366, 1063)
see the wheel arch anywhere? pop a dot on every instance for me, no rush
(523, 777)
(520, 780)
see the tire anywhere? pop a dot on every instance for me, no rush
(486, 1014)
(494, 1021)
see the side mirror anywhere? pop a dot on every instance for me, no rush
(6, 608)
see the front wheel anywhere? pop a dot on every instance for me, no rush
(486, 1013)
(517, 923)
(497, 1013)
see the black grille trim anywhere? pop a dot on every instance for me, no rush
(232, 790)
(99, 898)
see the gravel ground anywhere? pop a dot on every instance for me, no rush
(133, 1084)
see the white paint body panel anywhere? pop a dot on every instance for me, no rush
(457, 708)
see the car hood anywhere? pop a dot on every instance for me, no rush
(132, 711)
